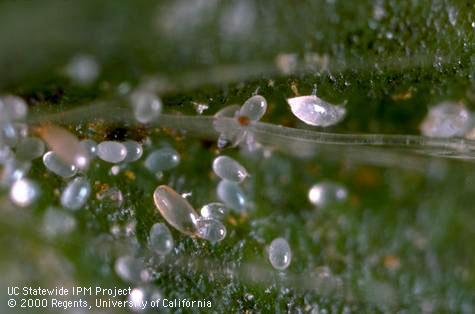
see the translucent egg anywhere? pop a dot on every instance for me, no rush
(57, 222)
(211, 229)
(231, 194)
(76, 193)
(54, 164)
(326, 192)
(176, 210)
(90, 146)
(129, 268)
(134, 151)
(143, 295)
(161, 240)
(30, 148)
(315, 111)
(254, 108)
(12, 133)
(8, 135)
(24, 192)
(13, 170)
(65, 145)
(115, 170)
(229, 169)
(446, 120)
(147, 107)
(83, 69)
(12, 108)
(137, 297)
(213, 210)
(111, 151)
(280, 255)
(162, 159)
(5, 154)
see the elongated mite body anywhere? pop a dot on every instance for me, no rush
(315, 111)
(176, 210)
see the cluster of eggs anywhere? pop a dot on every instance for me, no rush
(69, 158)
